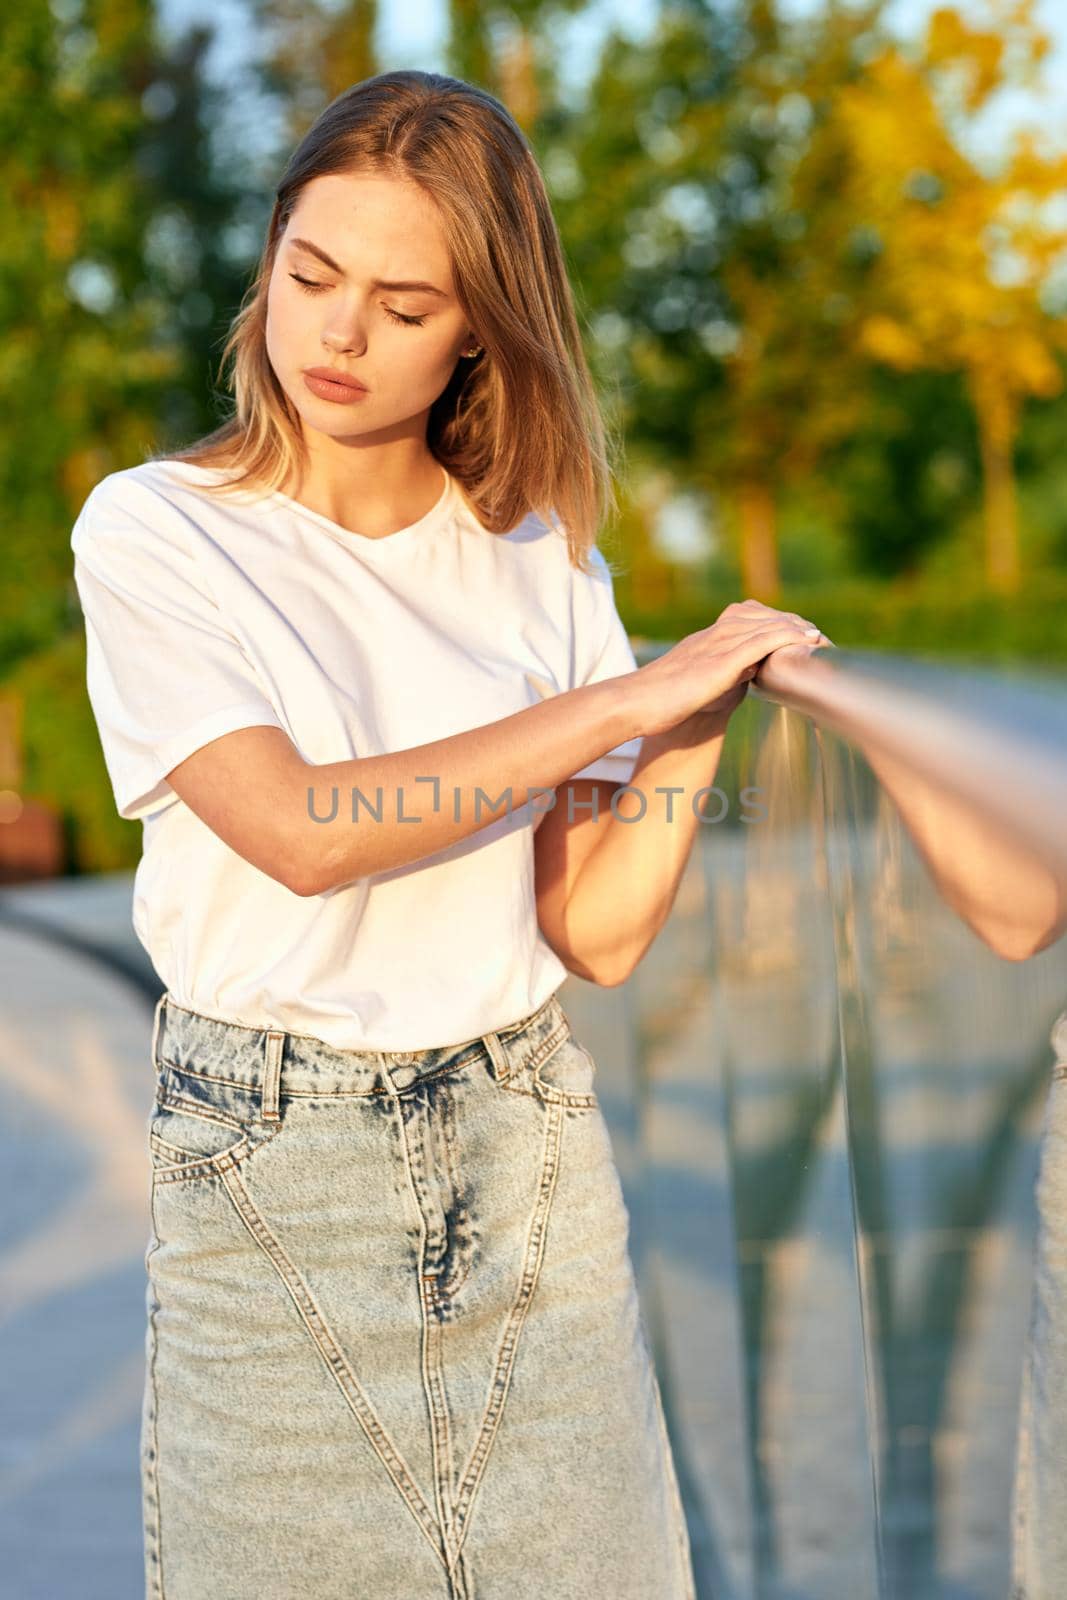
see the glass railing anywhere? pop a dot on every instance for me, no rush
(826, 1093)
(840, 1092)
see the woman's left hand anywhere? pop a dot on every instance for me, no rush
(722, 708)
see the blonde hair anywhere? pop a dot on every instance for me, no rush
(519, 426)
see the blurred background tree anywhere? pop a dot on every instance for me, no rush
(81, 328)
(960, 258)
(831, 337)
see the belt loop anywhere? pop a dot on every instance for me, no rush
(498, 1056)
(155, 1027)
(272, 1076)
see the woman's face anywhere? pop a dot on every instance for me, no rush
(371, 228)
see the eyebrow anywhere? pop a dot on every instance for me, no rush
(377, 283)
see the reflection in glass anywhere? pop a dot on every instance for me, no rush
(841, 1104)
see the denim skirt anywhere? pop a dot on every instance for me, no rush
(394, 1349)
(1039, 1527)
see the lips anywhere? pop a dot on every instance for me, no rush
(333, 375)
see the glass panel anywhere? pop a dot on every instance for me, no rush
(841, 1094)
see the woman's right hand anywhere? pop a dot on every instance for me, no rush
(709, 671)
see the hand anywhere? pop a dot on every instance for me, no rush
(706, 675)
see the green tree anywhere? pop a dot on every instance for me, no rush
(700, 209)
(961, 257)
(83, 374)
(123, 247)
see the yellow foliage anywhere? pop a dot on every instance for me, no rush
(978, 54)
(955, 257)
(964, 254)
(61, 217)
(1038, 373)
(885, 339)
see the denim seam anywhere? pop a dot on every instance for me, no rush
(547, 1092)
(547, 1045)
(1022, 1489)
(535, 1057)
(194, 1108)
(151, 1468)
(441, 1433)
(331, 1094)
(1020, 1528)
(684, 1547)
(329, 1348)
(365, 1094)
(174, 1152)
(440, 1429)
(440, 1442)
(453, 1284)
(567, 1096)
(209, 1166)
(429, 1077)
(534, 1255)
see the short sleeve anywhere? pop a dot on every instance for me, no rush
(164, 673)
(602, 650)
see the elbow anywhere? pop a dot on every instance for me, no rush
(316, 871)
(1044, 943)
(305, 878)
(1052, 935)
(1029, 937)
(305, 890)
(605, 977)
(614, 973)
(299, 885)
(308, 879)
(1010, 952)
(602, 976)
(1019, 946)
(613, 980)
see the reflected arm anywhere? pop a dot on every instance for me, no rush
(1014, 902)
(1004, 888)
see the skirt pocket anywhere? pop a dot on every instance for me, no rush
(568, 1075)
(199, 1126)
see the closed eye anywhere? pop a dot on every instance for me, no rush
(311, 287)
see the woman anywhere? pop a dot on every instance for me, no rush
(342, 670)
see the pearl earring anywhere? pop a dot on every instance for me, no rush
(476, 351)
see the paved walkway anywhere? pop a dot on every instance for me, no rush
(76, 1089)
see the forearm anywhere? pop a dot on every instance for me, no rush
(626, 886)
(1012, 900)
(433, 795)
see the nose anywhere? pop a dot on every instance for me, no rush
(344, 340)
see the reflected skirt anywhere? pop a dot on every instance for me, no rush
(394, 1349)
(1039, 1528)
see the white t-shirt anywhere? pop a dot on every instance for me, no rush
(204, 614)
